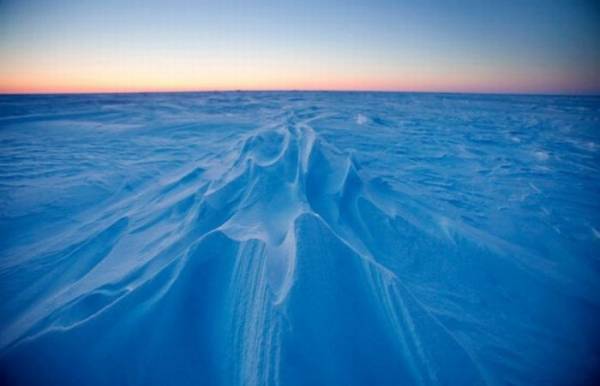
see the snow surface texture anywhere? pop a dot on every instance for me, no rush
(299, 239)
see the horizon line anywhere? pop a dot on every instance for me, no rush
(233, 90)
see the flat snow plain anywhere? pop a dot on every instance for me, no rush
(299, 239)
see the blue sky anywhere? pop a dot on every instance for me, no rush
(480, 46)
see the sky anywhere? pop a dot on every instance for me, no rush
(518, 46)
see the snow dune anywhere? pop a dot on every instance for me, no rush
(277, 239)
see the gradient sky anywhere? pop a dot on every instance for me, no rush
(546, 46)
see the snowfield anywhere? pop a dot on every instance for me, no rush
(299, 239)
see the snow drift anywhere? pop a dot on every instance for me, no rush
(271, 239)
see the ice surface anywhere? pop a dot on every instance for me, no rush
(299, 239)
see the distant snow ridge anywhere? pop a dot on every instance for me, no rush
(361, 119)
(277, 259)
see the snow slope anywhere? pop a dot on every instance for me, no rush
(299, 239)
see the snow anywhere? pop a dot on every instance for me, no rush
(287, 239)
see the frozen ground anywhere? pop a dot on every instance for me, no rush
(299, 239)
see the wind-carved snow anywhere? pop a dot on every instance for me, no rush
(265, 239)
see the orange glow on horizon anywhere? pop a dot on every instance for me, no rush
(179, 79)
(11, 87)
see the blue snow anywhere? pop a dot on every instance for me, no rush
(299, 238)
